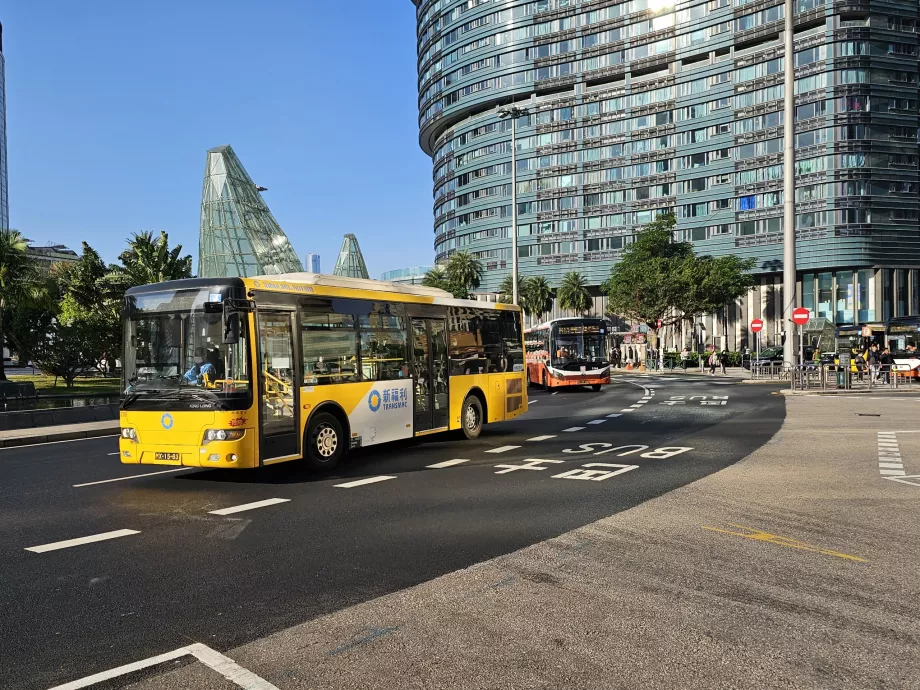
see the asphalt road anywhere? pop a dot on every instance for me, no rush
(187, 575)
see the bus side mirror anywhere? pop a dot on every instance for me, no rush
(231, 323)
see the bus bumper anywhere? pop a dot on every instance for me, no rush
(235, 454)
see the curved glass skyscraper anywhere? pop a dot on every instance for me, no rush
(4, 188)
(644, 106)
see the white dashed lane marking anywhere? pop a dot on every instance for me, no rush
(615, 414)
(446, 463)
(133, 476)
(574, 428)
(362, 482)
(597, 421)
(502, 449)
(249, 506)
(546, 437)
(889, 456)
(82, 540)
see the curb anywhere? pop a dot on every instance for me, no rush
(845, 392)
(60, 436)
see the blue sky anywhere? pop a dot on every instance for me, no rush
(111, 106)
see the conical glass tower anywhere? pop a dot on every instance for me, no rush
(350, 262)
(239, 235)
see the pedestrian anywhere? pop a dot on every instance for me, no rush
(885, 361)
(872, 359)
(723, 361)
(859, 362)
(713, 361)
(684, 358)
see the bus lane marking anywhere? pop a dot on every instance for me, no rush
(249, 506)
(446, 463)
(362, 482)
(211, 658)
(134, 476)
(104, 536)
(502, 449)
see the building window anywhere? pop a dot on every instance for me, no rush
(808, 291)
(866, 297)
(825, 290)
(901, 295)
(844, 297)
(887, 293)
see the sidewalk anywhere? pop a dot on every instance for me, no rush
(63, 432)
(794, 568)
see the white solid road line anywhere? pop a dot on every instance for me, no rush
(597, 421)
(133, 476)
(362, 482)
(446, 463)
(547, 437)
(531, 402)
(574, 428)
(248, 506)
(225, 666)
(615, 414)
(72, 440)
(82, 540)
(111, 454)
(501, 449)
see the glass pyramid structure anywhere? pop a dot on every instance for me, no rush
(350, 262)
(239, 236)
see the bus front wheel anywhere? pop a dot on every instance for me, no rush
(471, 417)
(595, 387)
(325, 445)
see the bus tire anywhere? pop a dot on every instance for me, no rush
(471, 417)
(324, 445)
(596, 387)
(545, 382)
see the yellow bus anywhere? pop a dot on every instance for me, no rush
(246, 372)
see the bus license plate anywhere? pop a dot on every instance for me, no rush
(166, 456)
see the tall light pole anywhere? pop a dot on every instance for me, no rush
(514, 113)
(789, 190)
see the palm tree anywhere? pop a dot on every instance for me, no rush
(435, 277)
(464, 271)
(506, 290)
(535, 295)
(573, 293)
(19, 276)
(150, 260)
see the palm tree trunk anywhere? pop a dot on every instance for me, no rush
(2, 341)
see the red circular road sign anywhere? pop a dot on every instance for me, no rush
(756, 325)
(800, 316)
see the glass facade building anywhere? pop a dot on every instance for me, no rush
(647, 106)
(4, 187)
(350, 262)
(313, 263)
(239, 236)
(408, 276)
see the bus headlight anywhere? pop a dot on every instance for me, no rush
(129, 434)
(222, 435)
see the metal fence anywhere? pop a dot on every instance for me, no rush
(831, 377)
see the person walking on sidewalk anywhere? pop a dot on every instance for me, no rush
(723, 362)
(872, 359)
(885, 361)
(684, 358)
(713, 361)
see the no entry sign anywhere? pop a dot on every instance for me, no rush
(756, 326)
(800, 316)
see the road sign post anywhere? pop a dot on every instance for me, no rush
(756, 328)
(800, 317)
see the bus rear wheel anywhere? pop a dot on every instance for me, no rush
(471, 417)
(595, 387)
(325, 442)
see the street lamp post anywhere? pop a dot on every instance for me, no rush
(789, 269)
(514, 113)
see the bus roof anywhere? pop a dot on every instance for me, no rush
(301, 283)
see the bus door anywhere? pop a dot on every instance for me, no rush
(430, 374)
(278, 390)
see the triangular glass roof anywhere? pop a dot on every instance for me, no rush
(239, 236)
(350, 262)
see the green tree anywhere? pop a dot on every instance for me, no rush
(147, 260)
(506, 290)
(463, 272)
(573, 293)
(658, 278)
(535, 296)
(68, 349)
(20, 280)
(437, 278)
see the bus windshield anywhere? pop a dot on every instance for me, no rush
(578, 345)
(174, 350)
(904, 338)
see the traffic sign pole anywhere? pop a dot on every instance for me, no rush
(800, 317)
(756, 328)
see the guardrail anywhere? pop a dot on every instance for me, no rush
(770, 370)
(832, 377)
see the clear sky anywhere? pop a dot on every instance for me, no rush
(111, 106)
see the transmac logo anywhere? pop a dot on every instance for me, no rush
(390, 399)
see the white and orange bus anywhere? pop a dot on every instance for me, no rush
(568, 352)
